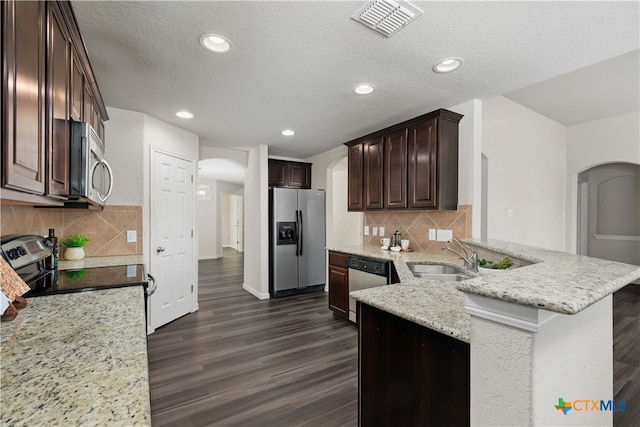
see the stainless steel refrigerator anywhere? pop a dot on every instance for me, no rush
(296, 241)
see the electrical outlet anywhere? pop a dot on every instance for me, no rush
(510, 213)
(432, 234)
(375, 231)
(444, 235)
(381, 230)
(366, 230)
(131, 236)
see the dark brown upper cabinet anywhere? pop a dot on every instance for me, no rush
(58, 100)
(355, 170)
(416, 169)
(373, 163)
(46, 76)
(288, 174)
(395, 169)
(23, 94)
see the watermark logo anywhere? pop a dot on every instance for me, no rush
(581, 405)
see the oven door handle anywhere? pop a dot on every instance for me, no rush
(152, 289)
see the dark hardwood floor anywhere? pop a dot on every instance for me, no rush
(626, 354)
(239, 361)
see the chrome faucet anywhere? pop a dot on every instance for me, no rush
(470, 262)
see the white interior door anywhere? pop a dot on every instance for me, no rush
(171, 258)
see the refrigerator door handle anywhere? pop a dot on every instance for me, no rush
(297, 232)
(301, 233)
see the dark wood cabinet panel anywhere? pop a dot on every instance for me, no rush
(423, 164)
(338, 276)
(355, 172)
(23, 93)
(277, 173)
(283, 173)
(373, 163)
(58, 78)
(77, 87)
(409, 374)
(299, 175)
(395, 169)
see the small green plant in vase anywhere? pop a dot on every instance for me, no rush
(74, 245)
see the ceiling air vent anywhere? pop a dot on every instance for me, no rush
(386, 16)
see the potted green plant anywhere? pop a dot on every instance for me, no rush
(74, 246)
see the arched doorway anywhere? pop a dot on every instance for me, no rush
(609, 212)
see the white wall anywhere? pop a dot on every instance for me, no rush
(256, 229)
(206, 217)
(124, 150)
(526, 172)
(615, 139)
(237, 156)
(346, 227)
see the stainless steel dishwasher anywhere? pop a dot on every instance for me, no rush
(365, 273)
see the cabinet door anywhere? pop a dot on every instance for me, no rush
(339, 290)
(277, 173)
(59, 64)
(23, 121)
(422, 370)
(299, 175)
(77, 88)
(355, 171)
(87, 100)
(423, 164)
(373, 189)
(395, 169)
(339, 283)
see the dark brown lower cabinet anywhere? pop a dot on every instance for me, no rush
(409, 375)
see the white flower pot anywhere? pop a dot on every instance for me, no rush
(73, 254)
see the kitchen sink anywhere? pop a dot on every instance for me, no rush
(442, 272)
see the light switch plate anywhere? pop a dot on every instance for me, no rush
(375, 231)
(444, 235)
(366, 230)
(432, 234)
(131, 236)
(381, 230)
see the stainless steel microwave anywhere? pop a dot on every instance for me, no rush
(91, 177)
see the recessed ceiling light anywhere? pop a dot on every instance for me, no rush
(447, 65)
(184, 114)
(288, 132)
(215, 43)
(364, 89)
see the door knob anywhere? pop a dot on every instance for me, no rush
(159, 249)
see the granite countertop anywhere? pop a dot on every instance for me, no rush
(105, 261)
(554, 281)
(77, 359)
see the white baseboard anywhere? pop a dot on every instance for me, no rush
(202, 258)
(255, 293)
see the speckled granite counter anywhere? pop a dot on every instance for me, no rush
(105, 261)
(77, 359)
(555, 281)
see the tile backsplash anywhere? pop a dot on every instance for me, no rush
(106, 228)
(415, 225)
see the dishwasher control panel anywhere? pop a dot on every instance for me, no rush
(369, 265)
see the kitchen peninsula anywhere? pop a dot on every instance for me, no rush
(536, 333)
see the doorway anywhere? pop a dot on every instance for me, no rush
(232, 230)
(609, 212)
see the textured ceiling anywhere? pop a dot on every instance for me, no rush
(294, 64)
